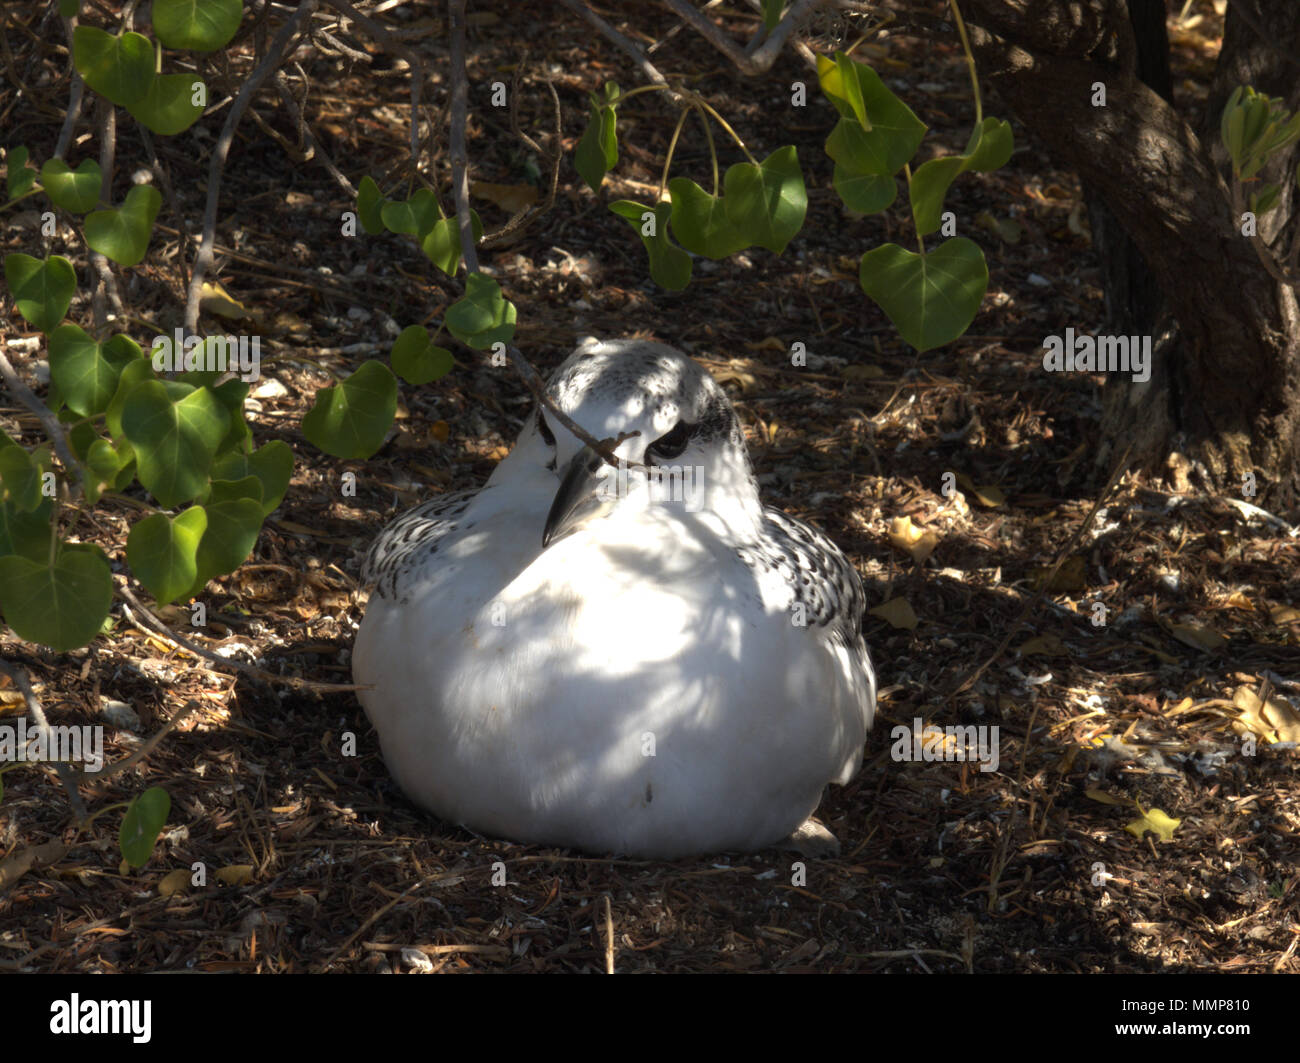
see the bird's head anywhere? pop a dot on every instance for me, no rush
(674, 425)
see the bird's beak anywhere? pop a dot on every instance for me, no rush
(584, 495)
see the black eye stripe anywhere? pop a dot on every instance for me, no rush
(673, 442)
(545, 429)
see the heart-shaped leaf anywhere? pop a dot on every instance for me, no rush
(370, 206)
(767, 202)
(700, 221)
(417, 360)
(144, 820)
(170, 107)
(990, 145)
(123, 235)
(199, 25)
(482, 316)
(930, 298)
(175, 434)
(670, 266)
(86, 372)
(119, 68)
(413, 217)
(350, 419)
(442, 243)
(42, 290)
(60, 605)
(19, 177)
(271, 464)
(76, 191)
(866, 193)
(597, 151)
(161, 552)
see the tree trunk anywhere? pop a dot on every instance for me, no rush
(1223, 400)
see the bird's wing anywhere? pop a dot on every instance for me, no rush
(819, 574)
(416, 532)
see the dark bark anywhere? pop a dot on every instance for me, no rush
(1224, 396)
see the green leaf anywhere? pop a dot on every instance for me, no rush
(482, 316)
(106, 464)
(42, 290)
(123, 235)
(175, 438)
(700, 222)
(772, 14)
(161, 552)
(866, 193)
(76, 191)
(144, 820)
(26, 534)
(890, 133)
(19, 177)
(199, 25)
(767, 202)
(929, 186)
(20, 479)
(350, 419)
(930, 298)
(233, 526)
(86, 372)
(119, 68)
(168, 107)
(597, 151)
(990, 146)
(670, 266)
(60, 605)
(417, 360)
(221, 490)
(271, 464)
(414, 216)
(370, 206)
(441, 244)
(69, 8)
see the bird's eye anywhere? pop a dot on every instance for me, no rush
(672, 443)
(545, 429)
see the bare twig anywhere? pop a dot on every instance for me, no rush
(149, 745)
(252, 671)
(609, 938)
(392, 44)
(76, 95)
(49, 422)
(67, 776)
(526, 217)
(633, 49)
(274, 57)
(762, 58)
(459, 117)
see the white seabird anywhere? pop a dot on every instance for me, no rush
(567, 656)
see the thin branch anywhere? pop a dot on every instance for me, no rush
(49, 422)
(150, 744)
(74, 101)
(392, 44)
(274, 56)
(633, 49)
(761, 60)
(459, 117)
(147, 619)
(66, 775)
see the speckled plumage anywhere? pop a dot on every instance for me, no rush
(511, 681)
